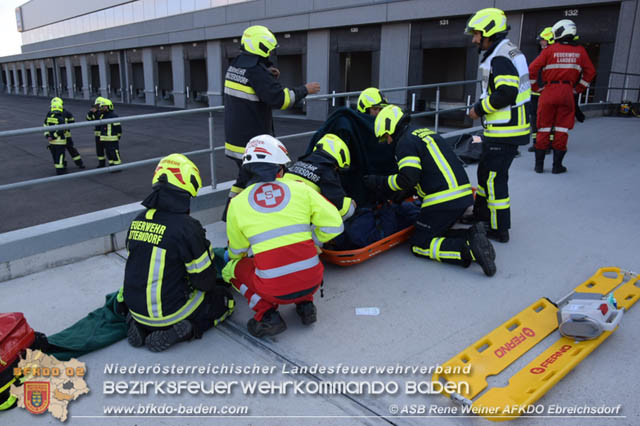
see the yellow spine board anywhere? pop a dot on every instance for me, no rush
(529, 384)
(497, 350)
(534, 380)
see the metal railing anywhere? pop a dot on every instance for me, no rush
(211, 150)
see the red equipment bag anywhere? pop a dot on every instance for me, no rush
(15, 336)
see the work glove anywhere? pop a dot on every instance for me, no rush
(377, 186)
(579, 114)
(399, 197)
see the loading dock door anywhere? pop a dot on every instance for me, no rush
(291, 73)
(114, 72)
(165, 81)
(137, 70)
(198, 81)
(79, 83)
(355, 70)
(444, 64)
(95, 80)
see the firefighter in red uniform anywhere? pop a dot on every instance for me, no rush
(566, 70)
(279, 222)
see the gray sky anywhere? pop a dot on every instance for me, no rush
(11, 39)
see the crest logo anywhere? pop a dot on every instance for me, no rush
(37, 396)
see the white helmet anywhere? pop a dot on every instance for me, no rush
(564, 28)
(265, 149)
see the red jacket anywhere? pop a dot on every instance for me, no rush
(564, 62)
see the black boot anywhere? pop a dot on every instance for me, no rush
(135, 335)
(270, 325)
(80, 164)
(101, 164)
(61, 171)
(557, 162)
(307, 312)
(162, 340)
(479, 230)
(483, 253)
(532, 148)
(539, 168)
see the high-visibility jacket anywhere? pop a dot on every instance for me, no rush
(68, 118)
(320, 174)
(427, 162)
(250, 92)
(94, 115)
(170, 266)
(278, 222)
(58, 137)
(564, 63)
(110, 131)
(506, 92)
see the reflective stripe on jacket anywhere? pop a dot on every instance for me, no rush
(427, 162)
(250, 93)
(169, 267)
(278, 222)
(504, 66)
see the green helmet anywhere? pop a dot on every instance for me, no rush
(335, 148)
(258, 40)
(56, 104)
(177, 170)
(387, 121)
(489, 22)
(370, 97)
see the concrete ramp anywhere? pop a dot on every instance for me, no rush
(564, 228)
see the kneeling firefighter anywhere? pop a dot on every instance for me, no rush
(170, 280)
(280, 222)
(320, 170)
(427, 163)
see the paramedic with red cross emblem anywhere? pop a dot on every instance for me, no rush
(273, 227)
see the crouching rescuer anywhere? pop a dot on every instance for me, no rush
(170, 283)
(279, 222)
(427, 163)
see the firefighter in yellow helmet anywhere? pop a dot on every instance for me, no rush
(68, 118)
(371, 101)
(279, 222)
(170, 284)
(93, 114)
(320, 170)
(110, 133)
(428, 165)
(56, 138)
(251, 91)
(544, 39)
(504, 110)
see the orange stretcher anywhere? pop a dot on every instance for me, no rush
(353, 257)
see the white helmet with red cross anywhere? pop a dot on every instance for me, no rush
(265, 149)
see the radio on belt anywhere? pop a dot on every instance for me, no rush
(586, 315)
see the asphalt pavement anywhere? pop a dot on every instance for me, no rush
(27, 157)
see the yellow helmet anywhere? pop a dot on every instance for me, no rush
(546, 34)
(489, 22)
(56, 104)
(258, 40)
(369, 97)
(387, 121)
(179, 171)
(98, 100)
(336, 148)
(104, 102)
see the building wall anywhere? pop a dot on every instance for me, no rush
(387, 43)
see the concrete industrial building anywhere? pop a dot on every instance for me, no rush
(174, 52)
